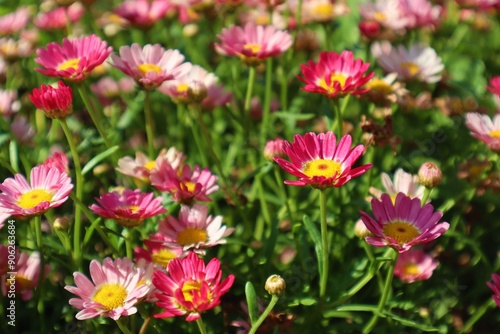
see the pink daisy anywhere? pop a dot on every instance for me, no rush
(495, 287)
(485, 129)
(13, 49)
(157, 252)
(420, 13)
(48, 188)
(190, 287)
(403, 224)
(403, 183)
(317, 160)
(217, 96)
(494, 86)
(9, 104)
(14, 22)
(59, 161)
(335, 75)
(414, 265)
(252, 43)
(151, 65)
(274, 148)
(114, 290)
(194, 230)
(142, 13)
(56, 102)
(22, 131)
(129, 207)
(58, 18)
(108, 90)
(386, 13)
(74, 59)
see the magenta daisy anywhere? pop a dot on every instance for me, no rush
(335, 75)
(151, 65)
(48, 188)
(156, 252)
(129, 207)
(485, 129)
(74, 59)
(317, 160)
(113, 291)
(55, 102)
(495, 287)
(402, 224)
(57, 19)
(194, 229)
(252, 43)
(415, 265)
(190, 287)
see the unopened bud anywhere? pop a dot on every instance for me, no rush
(275, 285)
(61, 223)
(274, 148)
(197, 91)
(429, 175)
(190, 30)
(360, 230)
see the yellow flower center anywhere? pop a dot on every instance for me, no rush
(255, 48)
(402, 232)
(133, 208)
(23, 283)
(188, 185)
(150, 165)
(411, 269)
(322, 167)
(192, 236)
(495, 133)
(71, 63)
(379, 16)
(380, 86)
(410, 67)
(325, 9)
(188, 289)
(145, 68)
(335, 77)
(33, 198)
(111, 296)
(182, 88)
(262, 20)
(163, 257)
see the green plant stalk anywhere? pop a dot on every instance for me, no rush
(77, 229)
(128, 242)
(201, 325)
(385, 295)
(478, 315)
(38, 235)
(427, 194)
(248, 97)
(267, 102)
(198, 141)
(149, 124)
(324, 244)
(264, 209)
(122, 327)
(264, 315)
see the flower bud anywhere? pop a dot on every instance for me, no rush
(61, 223)
(274, 148)
(360, 230)
(275, 285)
(429, 175)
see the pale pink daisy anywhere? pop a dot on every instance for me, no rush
(414, 265)
(190, 287)
(385, 91)
(74, 59)
(109, 90)
(48, 188)
(113, 291)
(403, 223)
(9, 104)
(151, 65)
(322, 10)
(194, 230)
(485, 129)
(404, 182)
(495, 287)
(129, 207)
(15, 21)
(142, 13)
(420, 13)
(419, 62)
(253, 44)
(177, 89)
(13, 49)
(58, 18)
(386, 13)
(157, 252)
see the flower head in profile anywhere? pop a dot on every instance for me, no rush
(178, 89)
(114, 290)
(190, 287)
(415, 265)
(142, 14)
(151, 65)
(129, 207)
(485, 129)
(48, 188)
(495, 287)
(194, 230)
(74, 59)
(404, 182)
(335, 75)
(253, 43)
(157, 252)
(58, 160)
(420, 13)
(58, 18)
(55, 102)
(317, 160)
(403, 223)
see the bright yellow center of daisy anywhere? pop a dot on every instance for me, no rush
(255, 48)
(182, 88)
(34, 197)
(380, 86)
(163, 257)
(323, 9)
(188, 289)
(192, 236)
(133, 208)
(111, 296)
(189, 186)
(71, 63)
(410, 67)
(495, 133)
(322, 167)
(262, 20)
(379, 16)
(150, 165)
(145, 68)
(402, 232)
(335, 77)
(411, 269)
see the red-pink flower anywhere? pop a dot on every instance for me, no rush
(190, 288)
(59, 161)
(74, 59)
(415, 265)
(129, 207)
(485, 129)
(335, 75)
(142, 13)
(56, 102)
(317, 160)
(403, 224)
(494, 86)
(14, 21)
(495, 287)
(58, 18)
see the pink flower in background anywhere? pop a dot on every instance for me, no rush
(274, 148)
(414, 265)
(386, 13)
(485, 129)
(217, 96)
(48, 188)
(108, 90)
(495, 287)
(190, 287)
(58, 18)
(12, 49)
(420, 13)
(177, 89)
(403, 183)
(9, 104)
(157, 252)
(322, 10)
(335, 75)
(194, 230)
(317, 160)
(494, 86)
(142, 13)
(74, 59)
(252, 43)
(259, 14)
(113, 291)
(55, 102)
(59, 161)
(22, 131)
(151, 65)
(14, 22)
(402, 224)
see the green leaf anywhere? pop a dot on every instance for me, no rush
(357, 308)
(290, 116)
(253, 307)
(98, 158)
(411, 323)
(306, 301)
(316, 238)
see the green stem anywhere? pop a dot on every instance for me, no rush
(267, 103)
(122, 327)
(77, 255)
(477, 315)
(149, 124)
(427, 194)
(248, 98)
(39, 243)
(324, 244)
(264, 209)
(128, 242)
(199, 142)
(201, 325)
(385, 295)
(264, 315)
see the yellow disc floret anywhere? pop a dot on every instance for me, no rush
(33, 198)
(110, 295)
(402, 232)
(322, 167)
(192, 236)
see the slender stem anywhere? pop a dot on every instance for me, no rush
(146, 323)
(324, 244)
(264, 315)
(77, 255)
(128, 242)
(264, 209)
(122, 326)
(41, 276)
(248, 98)
(427, 193)
(478, 314)
(201, 325)
(385, 295)
(198, 141)
(149, 124)
(267, 102)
